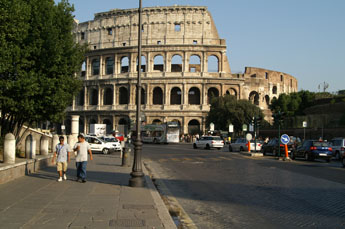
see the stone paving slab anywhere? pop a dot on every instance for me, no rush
(104, 201)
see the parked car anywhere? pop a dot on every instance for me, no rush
(338, 146)
(273, 146)
(241, 144)
(312, 149)
(209, 142)
(99, 145)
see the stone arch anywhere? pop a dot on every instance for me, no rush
(83, 69)
(193, 127)
(175, 96)
(95, 66)
(143, 97)
(81, 98)
(109, 125)
(267, 100)
(194, 63)
(158, 63)
(143, 64)
(157, 121)
(81, 125)
(274, 90)
(212, 93)
(194, 96)
(254, 97)
(157, 96)
(108, 96)
(123, 95)
(212, 64)
(176, 63)
(93, 100)
(232, 91)
(91, 121)
(109, 65)
(123, 125)
(68, 126)
(124, 64)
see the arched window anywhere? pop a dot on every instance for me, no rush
(232, 91)
(267, 100)
(123, 97)
(80, 98)
(158, 63)
(176, 63)
(212, 93)
(281, 78)
(109, 125)
(83, 69)
(108, 96)
(124, 64)
(93, 97)
(274, 90)
(157, 122)
(212, 64)
(109, 62)
(157, 96)
(143, 97)
(254, 97)
(143, 64)
(194, 96)
(175, 96)
(91, 121)
(194, 64)
(95, 67)
(123, 126)
(193, 127)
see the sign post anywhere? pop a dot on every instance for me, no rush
(249, 137)
(285, 139)
(305, 124)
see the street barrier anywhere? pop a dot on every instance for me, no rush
(44, 145)
(30, 147)
(9, 149)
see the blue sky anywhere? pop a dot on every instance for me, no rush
(304, 38)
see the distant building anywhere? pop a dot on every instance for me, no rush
(184, 64)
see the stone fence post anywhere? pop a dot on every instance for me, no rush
(9, 149)
(30, 147)
(44, 145)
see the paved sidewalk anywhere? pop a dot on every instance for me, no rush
(104, 201)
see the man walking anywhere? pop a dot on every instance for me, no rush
(82, 148)
(62, 152)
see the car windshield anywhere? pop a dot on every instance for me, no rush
(321, 144)
(110, 139)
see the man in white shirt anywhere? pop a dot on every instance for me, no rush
(62, 151)
(82, 148)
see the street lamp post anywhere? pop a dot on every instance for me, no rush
(137, 175)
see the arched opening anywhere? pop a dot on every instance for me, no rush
(212, 93)
(124, 64)
(175, 96)
(108, 96)
(83, 69)
(232, 91)
(123, 95)
(267, 100)
(193, 127)
(194, 64)
(92, 121)
(157, 121)
(158, 63)
(157, 96)
(123, 126)
(176, 63)
(109, 65)
(95, 67)
(212, 64)
(109, 125)
(194, 96)
(274, 90)
(254, 97)
(81, 98)
(143, 97)
(81, 125)
(143, 64)
(93, 97)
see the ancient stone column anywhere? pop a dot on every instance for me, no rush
(9, 149)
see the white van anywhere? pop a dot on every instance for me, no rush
(99, 145)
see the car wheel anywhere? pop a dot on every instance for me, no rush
(207, 146)
(230, 149)
(105, 151)
(241, 149)
(194, 146)
(306, 156)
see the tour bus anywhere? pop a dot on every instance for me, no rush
(160, 133)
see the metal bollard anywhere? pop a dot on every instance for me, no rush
(126, 154)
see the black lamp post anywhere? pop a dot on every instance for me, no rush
(137, 175)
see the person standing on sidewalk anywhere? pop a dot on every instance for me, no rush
(62, 151)
(82, 148)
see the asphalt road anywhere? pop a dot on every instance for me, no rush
(219, 189)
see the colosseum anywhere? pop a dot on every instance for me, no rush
(184, 64)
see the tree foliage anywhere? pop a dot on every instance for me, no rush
(228, 110)
(38, 61)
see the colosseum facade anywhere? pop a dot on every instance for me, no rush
(184, 63)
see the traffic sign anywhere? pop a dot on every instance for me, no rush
(285, 139)
(305, 124)
(244, 127)
(249, 137)
(231, 128)
(211, 126)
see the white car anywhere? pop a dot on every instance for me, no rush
(99, 145)
(209, 142)
(241, 144)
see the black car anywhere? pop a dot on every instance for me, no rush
(312, 149)
(272, 147)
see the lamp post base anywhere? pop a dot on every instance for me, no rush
(137, 180)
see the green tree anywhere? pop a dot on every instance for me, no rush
(228, 110)
(38, 62)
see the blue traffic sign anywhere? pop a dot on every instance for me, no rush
(285, 139)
